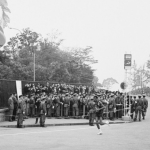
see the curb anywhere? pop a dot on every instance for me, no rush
(62, 124)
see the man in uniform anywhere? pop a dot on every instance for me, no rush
(138, 108)
(15, 107)
(57, 105)
(75, 105)
(24, 106)
(111, 107)
(27, 105)
(37, 105)
(11, 106)
(49, 105)
(145, 106)
(32, 105)
(118, 106)
(42, 111)
(91, 107)
(20, 112)
(66, 105)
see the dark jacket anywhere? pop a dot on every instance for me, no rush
(139, 104)
(145, 103)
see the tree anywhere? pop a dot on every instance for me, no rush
(108, 82)
(6, 72)
(96, 83)
(138, 76)
(83, 55)
(51, 62)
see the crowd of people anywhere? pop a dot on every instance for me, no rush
(62, 100)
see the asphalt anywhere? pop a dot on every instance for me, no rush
(30, 122)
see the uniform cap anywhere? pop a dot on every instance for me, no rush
(95, 96)
(144, 95)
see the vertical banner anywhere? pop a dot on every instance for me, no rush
(19, 87)
(127, 61)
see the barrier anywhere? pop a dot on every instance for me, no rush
(82, 113)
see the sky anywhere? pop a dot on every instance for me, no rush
(112, 27)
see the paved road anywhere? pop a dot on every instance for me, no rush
(129, 136)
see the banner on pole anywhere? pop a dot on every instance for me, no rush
(127, 61)
(19, 87)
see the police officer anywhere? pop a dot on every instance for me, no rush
(145, 106)
(138, 108)
(91, 107)
(20, 112)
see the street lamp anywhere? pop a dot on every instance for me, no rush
(34, 45)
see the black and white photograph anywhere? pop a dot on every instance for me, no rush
(74, 74)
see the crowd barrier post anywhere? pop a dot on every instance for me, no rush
(125, 105)
(129, 106)
(61, 110)
(83, 110)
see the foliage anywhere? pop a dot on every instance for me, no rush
(96, 82)
(51, 62)
(145, 90)
(139, 76)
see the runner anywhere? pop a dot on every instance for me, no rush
(99, 112)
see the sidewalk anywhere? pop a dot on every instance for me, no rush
(30, 122)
